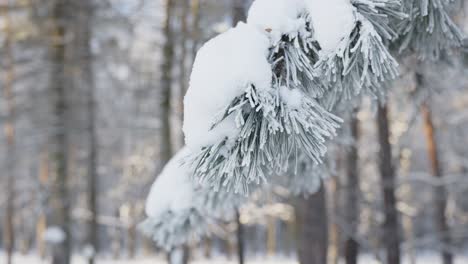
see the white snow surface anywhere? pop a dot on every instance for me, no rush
(54, 235)
(292, 97)
(173, 189)
(277, 17)
(428, 258)
(333, 20)
(224, 67)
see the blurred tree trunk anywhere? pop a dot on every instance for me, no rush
(131, 231)
(311, 216)
(240, 239)
(59, 81)
(116, 245)
(334, 194)
(271, 236)
(239, 14)
(183, 79)
(352, 193)
(391, 229)
(440, 193)
(83, 62)
(195, 29)
(165, 152)
(41, 223)
(9, 129)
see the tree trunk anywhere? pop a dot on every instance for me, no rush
(195, 29)
(83, 61)
(352, 193)
(239, 14)
(440, 193)
(240, 238)
(334, 247)
(183, 80)
(59, 80)
(166, 84)
(9, 128)
(387, 174)
(311, 216)
(238, 11)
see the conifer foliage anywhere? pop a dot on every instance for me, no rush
(265, 96)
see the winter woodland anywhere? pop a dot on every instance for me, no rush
(234, 131)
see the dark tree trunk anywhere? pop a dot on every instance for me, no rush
(85, 79)
(165, 152)
(239, 14)
(183, 79)
(9, 129)
(59, 81)
(195, 29)
(311, 217)
(238, 11)
(352, 193)
(240, 239)
(391, 228)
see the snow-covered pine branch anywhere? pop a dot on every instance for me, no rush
(173, 218)
(264, 100)
(357, 60)
(429, 30)
(180, 211)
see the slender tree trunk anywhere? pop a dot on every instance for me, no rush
(311, 216)
(131, 231)
(239, 14)
(166, 84)
(352, 193)
(271, 236)
(41, 223)
(440, 192)
(183, 80)
(195, 29)
(334, 232)
(238, 11)
(240, 238)
(387, 174)
(9, 127)
(60, 79)
(83, 61)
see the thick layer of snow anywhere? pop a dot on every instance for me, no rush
(332, 20)
(173, 189)
(224, 67)
(277, 17)
(54, 235)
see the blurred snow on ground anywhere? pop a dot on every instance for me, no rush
(424, 258)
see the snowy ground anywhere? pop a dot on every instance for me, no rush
(428, 258)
